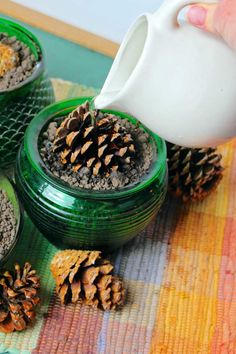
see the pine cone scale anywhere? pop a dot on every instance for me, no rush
(8, 326)
(96, 168)
(3, 314)
(63, 291)
(89, 275)
(104, 282)
(90, 291)
(92, 258)
(75, 289)
(106, 267)
(85, 147)
(18, 320)
(88, 131)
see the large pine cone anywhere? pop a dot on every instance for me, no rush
(18, 298)
(193, 173)
(94, 140)
(84, 275)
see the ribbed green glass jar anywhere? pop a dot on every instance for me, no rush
(83, 218)
(9, 188)
(19, 104)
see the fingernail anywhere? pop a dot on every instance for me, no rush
(196, 15)
(182, 16)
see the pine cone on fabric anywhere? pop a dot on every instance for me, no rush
(18, 298)
(193, 173)
(86, 276)
(8, 59)
(94, 140)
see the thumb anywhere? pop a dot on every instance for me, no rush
(200, 15)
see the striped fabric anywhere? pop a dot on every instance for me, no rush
(180, 274)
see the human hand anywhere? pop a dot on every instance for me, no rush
(217, 18)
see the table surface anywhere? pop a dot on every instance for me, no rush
(71, 61)
(180, 274)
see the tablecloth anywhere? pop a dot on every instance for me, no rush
(180, 275)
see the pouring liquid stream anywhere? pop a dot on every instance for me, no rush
(101, 100)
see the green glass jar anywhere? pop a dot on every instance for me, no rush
(19, 104)
(81, 218)
(9, 188)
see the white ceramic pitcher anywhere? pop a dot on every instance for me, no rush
(176, 79)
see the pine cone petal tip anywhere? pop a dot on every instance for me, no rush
(18, 298)
(87, 277)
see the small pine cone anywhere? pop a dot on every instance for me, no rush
(94, 140)
(18, 298)
(193, 173)
(86, 276)
(8, 59)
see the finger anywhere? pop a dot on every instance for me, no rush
(200, 15)
(225, 21)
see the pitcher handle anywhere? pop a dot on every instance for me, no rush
(168, 12)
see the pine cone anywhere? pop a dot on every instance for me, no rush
(18, 298)
(8, 59)
(85, 275)
(94, 140)
(193, 173)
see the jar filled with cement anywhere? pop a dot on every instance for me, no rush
(25, 88)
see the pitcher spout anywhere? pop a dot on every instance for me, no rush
(123, 71)
(106, 99)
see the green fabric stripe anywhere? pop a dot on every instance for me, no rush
(34, 248)
(4, 350)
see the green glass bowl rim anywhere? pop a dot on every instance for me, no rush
(40, 61)
(30, 144)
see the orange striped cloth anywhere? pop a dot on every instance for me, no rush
(197, 304)
(180, 274)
